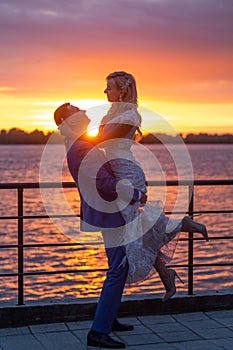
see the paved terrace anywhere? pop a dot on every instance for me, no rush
(212, 330)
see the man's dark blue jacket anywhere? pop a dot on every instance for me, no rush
(94, 216)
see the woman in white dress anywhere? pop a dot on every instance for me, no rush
(149, 245)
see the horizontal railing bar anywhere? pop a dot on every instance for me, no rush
(38, 216)
(210, 212)
(200, 265)
(210, 238)
(15, 185)
(14, 217)
(50, 272)
(102, 270)
(34, 245)
(230, 211)
(189, 182)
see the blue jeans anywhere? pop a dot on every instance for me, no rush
(113, 286)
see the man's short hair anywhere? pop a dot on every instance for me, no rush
(60, 113)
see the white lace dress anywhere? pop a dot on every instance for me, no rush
(146, 233)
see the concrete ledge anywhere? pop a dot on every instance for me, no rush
(12, 316)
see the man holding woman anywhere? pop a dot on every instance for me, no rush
(132, 256)
(73, 124)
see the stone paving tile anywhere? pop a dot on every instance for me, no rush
(87, 324)
(190, 316)
(170, 337)
(50, 327)
(81, 335)
(130, 320)
(79, 325)
(20, 342)
(14, 331)
(215, 333)
(198, 345)
(202, 324)
(157, 319)
(227, 322)
(138, 329)
(140, 339)
(167, 327)
(220, 314)
(226, 344)
(161, 346)
(60, 341)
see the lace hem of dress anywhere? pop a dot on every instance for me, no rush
(143, 248)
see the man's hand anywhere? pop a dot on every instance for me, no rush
(143, 199)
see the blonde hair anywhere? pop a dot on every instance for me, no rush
(128, 99)
(127, 84)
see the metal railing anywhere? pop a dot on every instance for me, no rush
(20, 246)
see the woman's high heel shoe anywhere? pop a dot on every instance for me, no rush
(171, 290)
(189, 225)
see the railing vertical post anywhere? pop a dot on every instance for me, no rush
(190, 244)
(20, 248)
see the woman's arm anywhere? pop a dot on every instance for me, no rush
(113, 131)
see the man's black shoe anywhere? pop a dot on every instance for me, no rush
(121, 327)
(103, 340)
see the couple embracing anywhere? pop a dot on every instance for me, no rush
(138, 238)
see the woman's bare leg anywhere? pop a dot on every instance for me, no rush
(167, 278)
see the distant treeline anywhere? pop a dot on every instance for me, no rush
(18, 136)
(190, 138)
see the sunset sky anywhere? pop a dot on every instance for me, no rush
(179, 51)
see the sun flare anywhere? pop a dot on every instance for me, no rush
(92, 132)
